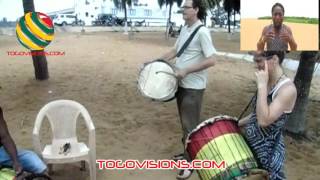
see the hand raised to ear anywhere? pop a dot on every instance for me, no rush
(262, 76)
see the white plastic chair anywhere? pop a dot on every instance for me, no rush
(63, 115)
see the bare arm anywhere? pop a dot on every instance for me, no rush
(169, 55)
(292, 42)
(262, 40)
(284, 101)
(8, 143)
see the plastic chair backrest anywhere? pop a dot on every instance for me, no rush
(63, 115)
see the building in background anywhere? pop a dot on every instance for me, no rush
(88, 11)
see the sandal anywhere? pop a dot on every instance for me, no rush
(184, 174)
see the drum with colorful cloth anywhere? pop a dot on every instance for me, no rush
(7, 174)
(219, 139)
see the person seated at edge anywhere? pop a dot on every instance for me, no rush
(19, 160)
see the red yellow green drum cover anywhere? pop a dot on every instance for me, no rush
(219, 139)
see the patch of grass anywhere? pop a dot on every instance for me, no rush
(303, 20)
(265, 17)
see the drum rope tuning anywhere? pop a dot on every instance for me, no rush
(220, 139)
(220, 157)
(232, 152)
(247, 153)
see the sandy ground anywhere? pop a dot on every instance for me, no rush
(100, 70)
(305, 35)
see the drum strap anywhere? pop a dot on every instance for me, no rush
(248, 105)
(186, 44)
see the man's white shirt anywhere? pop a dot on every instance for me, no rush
(200, 47)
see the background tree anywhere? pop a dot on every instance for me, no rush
(236, 9)
(39, 61)
(296, 124)
(229, 6)
(170, 3)
(122, 4)
(212, 4)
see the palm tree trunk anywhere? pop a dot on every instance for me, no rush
(297, 122)
(229, 12)
(170, 8)
(218, 14)
(234, 20)
(211, 6)
(39, 61)
(125, 17)
(169, 21)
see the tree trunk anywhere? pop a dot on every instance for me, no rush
(211, 9)
(170, 8)
(218, 14)
(39, 61)
(296, 124)
(229, 21)
(234, 20)
(169, 21)
(125, 18)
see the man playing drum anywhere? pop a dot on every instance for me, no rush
(191, 69)
(273, 104)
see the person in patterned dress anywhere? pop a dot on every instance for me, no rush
(273, 103)
(277, 36)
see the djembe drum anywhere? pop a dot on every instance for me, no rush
(157, 81)
(219, 139)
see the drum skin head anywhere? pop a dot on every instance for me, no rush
(157, 81)
(208, 121)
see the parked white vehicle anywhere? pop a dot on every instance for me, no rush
(64, 19)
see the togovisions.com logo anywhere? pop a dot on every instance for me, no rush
(35, 31)
(36, 53)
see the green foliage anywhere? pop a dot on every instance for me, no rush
(303, 20)
(121, 4)
(169, 2)
(211, 4)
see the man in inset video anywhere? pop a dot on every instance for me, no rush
(277, 35)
